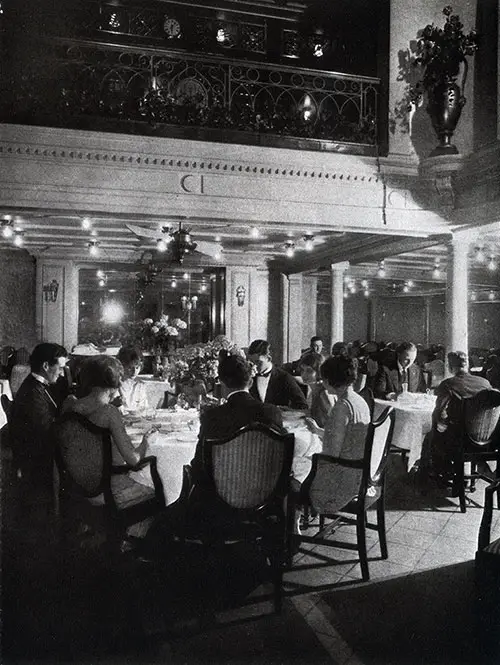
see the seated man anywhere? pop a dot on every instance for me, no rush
(399, 375)
(315, 346)
(34, 409)
(240, 409)
(272, 384)
(449, 393)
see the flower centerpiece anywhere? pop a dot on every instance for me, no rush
(193, 368)
(442, 54)
(158, 337)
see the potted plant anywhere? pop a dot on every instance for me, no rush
(442, 54)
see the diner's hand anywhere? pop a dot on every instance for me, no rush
(312, 425)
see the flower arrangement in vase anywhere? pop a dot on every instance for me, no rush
(159, 337)
(442, 54)
(194, 368)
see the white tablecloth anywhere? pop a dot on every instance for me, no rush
(413, 421)
(4, 390)
(175, 444)
(155, 390)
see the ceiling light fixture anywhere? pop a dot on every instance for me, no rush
(161, 245)
(254, 232)
(86, 224)
(491, 264)
(436, 272)
(7, 229)
(289, 248)
(308, 241)
(366, 293)
(479, 256)
(491, 295)
(181, 244)
(473, 295)
(93, 246)
(364, 283)
(173, 283)
(18, 239)
(381, 272)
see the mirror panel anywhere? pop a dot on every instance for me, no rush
(115, 299)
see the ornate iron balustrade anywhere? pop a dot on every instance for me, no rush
(81, 79)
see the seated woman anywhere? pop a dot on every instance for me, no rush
(345, 431)
(100, 378)
(318, 399)
(132, 389)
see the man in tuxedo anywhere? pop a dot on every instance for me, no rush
(397, 375)
(240, 409)
(34, 410)
(272, 384)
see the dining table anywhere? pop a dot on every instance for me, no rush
(413, 420)
(174, 444)
(156, 389)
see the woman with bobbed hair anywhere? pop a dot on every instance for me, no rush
(132, 389)
(100, 378)
(318, 399)
(345, 431)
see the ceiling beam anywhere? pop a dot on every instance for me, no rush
(364, 250)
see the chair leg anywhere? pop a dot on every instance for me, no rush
(321, 522)
(473, 471)
(382, 537)
(361, 537)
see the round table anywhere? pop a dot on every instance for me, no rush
(175, 443)
(413, 421)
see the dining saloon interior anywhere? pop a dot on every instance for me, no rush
(269, 223)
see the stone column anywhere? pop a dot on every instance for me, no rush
(427, 321)
(457, 287)
(309, 308)
(291, 330)
(337, 271)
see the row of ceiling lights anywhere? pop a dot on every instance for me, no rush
(102, 280)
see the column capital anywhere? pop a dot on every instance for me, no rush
(342, 266)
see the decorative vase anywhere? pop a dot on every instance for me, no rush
(445, 104)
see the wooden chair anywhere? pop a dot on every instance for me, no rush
(318, 490)
(475, 437)
(367, 394)
(250, 473)
(87, 477)
(487, 569)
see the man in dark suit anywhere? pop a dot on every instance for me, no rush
(202, 508)
(34, 410)
(240, 409)
(272, 384)
(449, 395)
(400, 374)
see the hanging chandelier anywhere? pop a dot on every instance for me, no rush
(181, 244)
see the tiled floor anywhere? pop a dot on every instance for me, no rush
(424, 531)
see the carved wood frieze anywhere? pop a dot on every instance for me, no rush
(174, 163)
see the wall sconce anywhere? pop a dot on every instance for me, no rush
(240, 295)
(50, 291)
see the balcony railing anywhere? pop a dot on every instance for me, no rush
(101, 86)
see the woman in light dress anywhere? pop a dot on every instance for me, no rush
(343, 436)
(132, 389)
